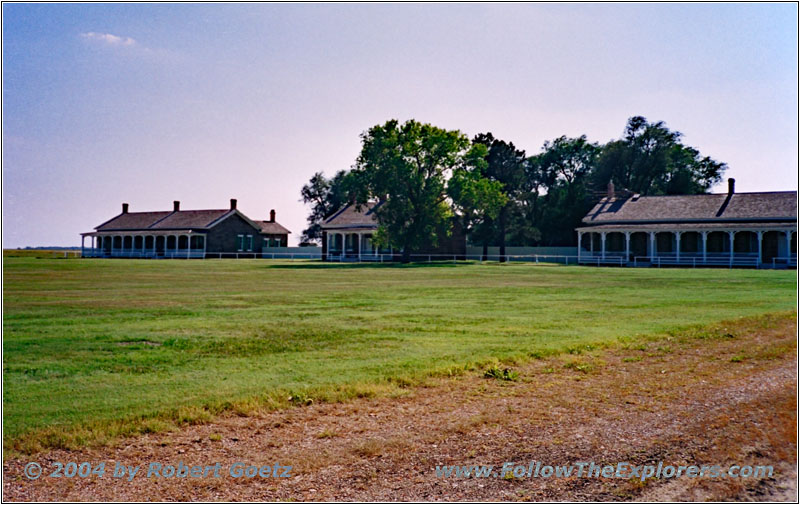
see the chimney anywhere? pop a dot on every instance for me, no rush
(731, 185)
(233, 203)
(272, 216)
(124, 208)
(610, 190)
(176, 206)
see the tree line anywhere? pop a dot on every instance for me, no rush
(428, 177)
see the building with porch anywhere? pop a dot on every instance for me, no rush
(729, 229)
(347, 236)
(182, 234)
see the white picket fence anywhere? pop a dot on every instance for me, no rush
(670, 260)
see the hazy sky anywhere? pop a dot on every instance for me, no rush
(149, 103)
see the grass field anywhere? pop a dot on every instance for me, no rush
(99, 348)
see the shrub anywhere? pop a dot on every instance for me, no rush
(506, 374)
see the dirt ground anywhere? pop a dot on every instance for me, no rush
(726, 399)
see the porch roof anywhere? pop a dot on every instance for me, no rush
(150, 232)
(777, 226)
(352, 229)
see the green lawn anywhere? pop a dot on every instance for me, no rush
(103, 344)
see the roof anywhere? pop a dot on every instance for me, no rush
(175, 220)
(132, 221)
(774, 206)
(710, 226)
(350, 217)
(272, 228)
(191, 219)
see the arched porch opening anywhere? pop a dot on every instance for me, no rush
(183, 242)
(745, 242)
(665, 242)
(335, 244)
(639, 244)
(351, 244)
(586, 240)
(196, 242)
(691, 244)
(615, 242)
(773, 246)
(367, 246)
(718, 242)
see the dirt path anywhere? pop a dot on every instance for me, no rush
(726, 399)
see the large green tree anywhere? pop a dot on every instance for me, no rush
(325, 196)
(505, 164)
(476, 199)
(563, 167)
(651, 160)
(407, 166)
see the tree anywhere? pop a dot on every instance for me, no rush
(505, 164)
(651, 160)
(563, 167)
(475, 198)
(407, 167)
(326, 196)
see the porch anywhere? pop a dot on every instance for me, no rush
(355, 245)
(689, 246)
(144, 245)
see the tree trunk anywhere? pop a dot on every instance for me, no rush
(502, 227)
(485, 255)
(406, 257)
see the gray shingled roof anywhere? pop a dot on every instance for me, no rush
(133, 221)
(349, 217)
(172, 220)
(191, 219)
(773, 225)
(272, 228)
(775, 206)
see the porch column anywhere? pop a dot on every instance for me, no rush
(580, 234)
(788, 243)
(730, 239)
(603, 243)
(83, 240)
(591, 243)
(627, 246)
(652, 245)
(760, 235)
(359, 246)
(326, 246)
(154, 246)
(344, 245)
(704, 235)
(678, 245)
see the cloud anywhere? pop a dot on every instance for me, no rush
(107, 38)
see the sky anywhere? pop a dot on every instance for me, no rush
(150, 103)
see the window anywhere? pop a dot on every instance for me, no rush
(249, 242)
(277, 242)
(239, 242)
